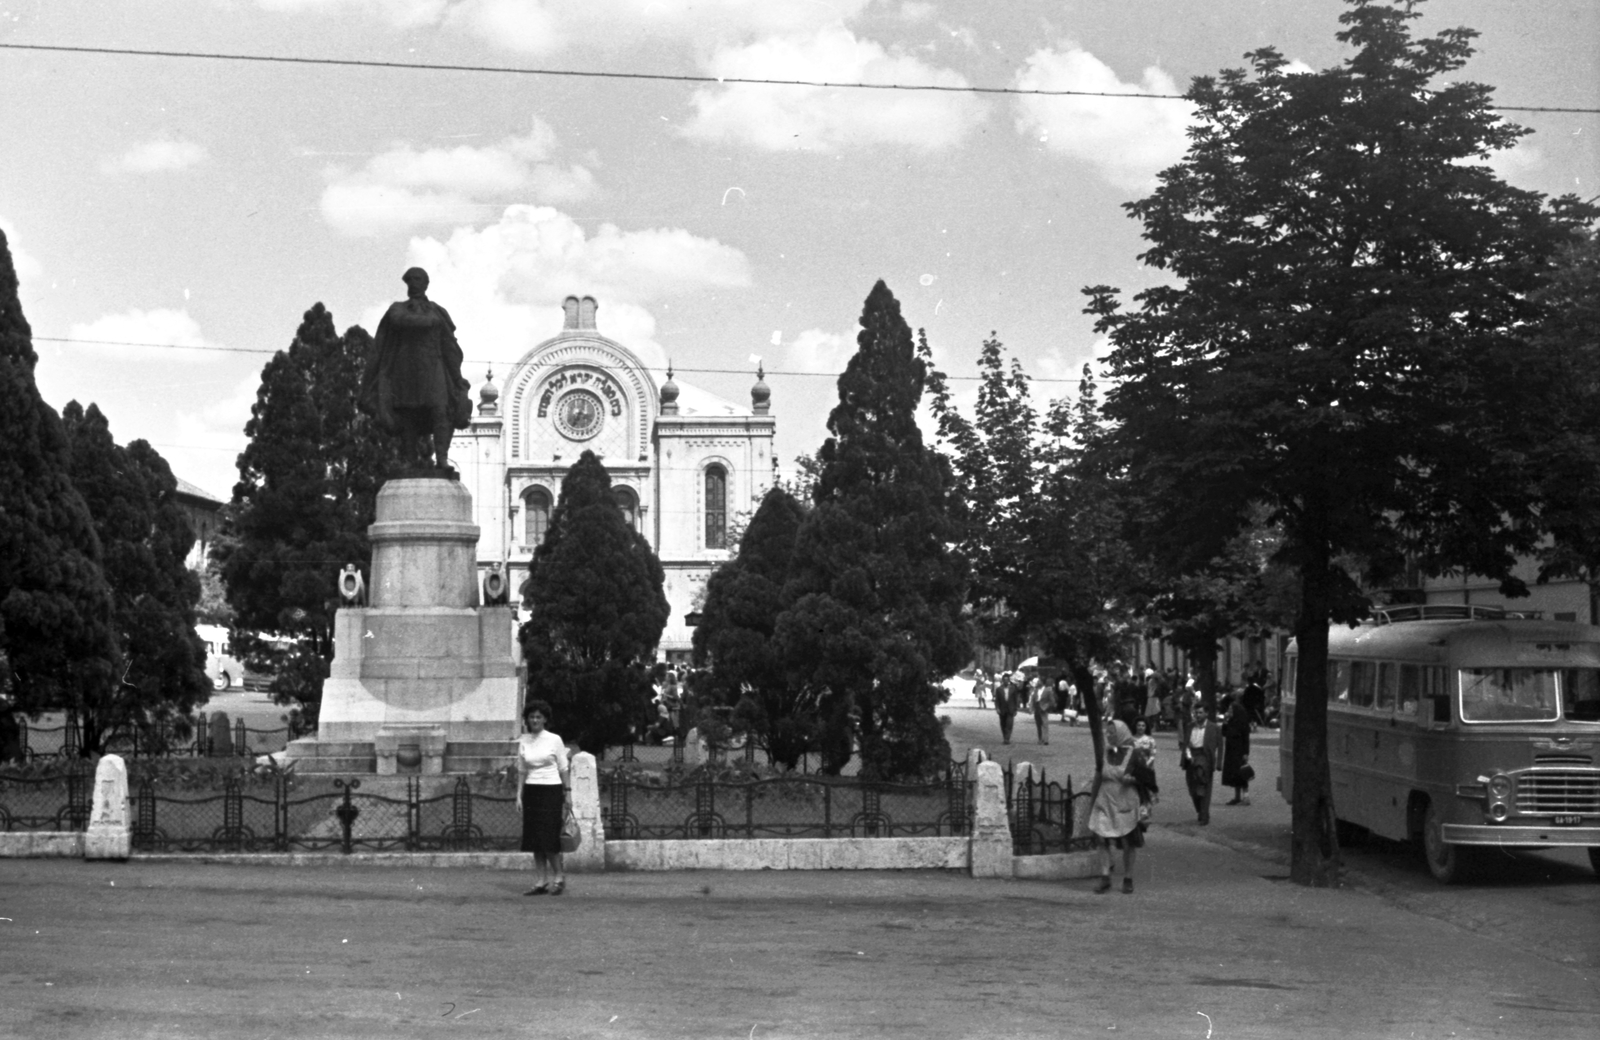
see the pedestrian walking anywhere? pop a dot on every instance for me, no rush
(545, 796)
(980, 687)
(1237, 772)
(1124, 784)
(1198, 759)
(1041, 701)
(1007, 695)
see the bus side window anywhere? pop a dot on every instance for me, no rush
(1386, 687)
(1361, 676)
(1410, 688)
(1338, 682)
(1433, 684)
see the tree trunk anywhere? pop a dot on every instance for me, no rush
(1314, 851)
(1203, 663)
(1083, 679)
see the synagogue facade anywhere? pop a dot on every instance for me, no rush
(684, 464)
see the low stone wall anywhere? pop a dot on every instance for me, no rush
(987, 852)
(946, 853)
(41, 844)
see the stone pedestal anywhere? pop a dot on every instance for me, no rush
(110, 833)
(423, 680)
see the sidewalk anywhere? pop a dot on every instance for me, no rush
(1212, 943)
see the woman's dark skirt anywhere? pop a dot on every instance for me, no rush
(542, 806)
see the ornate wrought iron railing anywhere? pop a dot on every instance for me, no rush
(782, 807)
(47, 803)
(339, 818)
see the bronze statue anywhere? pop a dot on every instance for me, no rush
(413, 385)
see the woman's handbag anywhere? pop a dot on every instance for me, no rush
(1247, 772)
(571, 836)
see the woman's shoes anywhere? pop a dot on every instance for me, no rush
(1104, 886)
(1234, 801)
(542, 888)
(1127, 886)
(558, 887)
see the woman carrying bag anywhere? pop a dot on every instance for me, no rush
(544, 796)
(1115, 816)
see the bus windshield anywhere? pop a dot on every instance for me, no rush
(1508, 695)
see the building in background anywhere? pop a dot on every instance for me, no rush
(204, 515)
(685, 465)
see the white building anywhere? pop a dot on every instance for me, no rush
(685, 465)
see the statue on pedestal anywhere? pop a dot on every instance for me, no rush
(413, 385)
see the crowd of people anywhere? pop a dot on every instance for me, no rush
(1212, 747)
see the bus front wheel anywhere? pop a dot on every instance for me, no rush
(222, 682)
(1447, 863)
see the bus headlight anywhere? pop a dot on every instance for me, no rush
(1498, 812)
(1500, 787)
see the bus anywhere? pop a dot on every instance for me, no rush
(222, 668)
(1464, 729)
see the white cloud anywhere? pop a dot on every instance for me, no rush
(406, 188)
(913, 11)
(816, 350)
(1128, 141)
(827, 118)
(117, 333)
(548, 26)
(160, 156)
(1511, 164)
(504, 284)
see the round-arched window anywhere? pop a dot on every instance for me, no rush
(716, 507)
(536, 516)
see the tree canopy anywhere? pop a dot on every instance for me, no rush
(307, 491)
(877, 590)
(145, 538)
(55, 607)
(1343, 339)
(596, 613)
(735, 636)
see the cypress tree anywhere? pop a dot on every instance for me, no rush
(735, 636)
(597, 611)
(874, 622)
(307, 491)
(144, 537)
(55, 608)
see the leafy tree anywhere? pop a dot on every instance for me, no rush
(876, 593)
(596, 613)
(307, 491)
(55, 607)
(1341, 341)
(145, 538)
(1041, 525)
(1570, 464)
(735, 636)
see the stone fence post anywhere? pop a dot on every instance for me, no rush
(991, 831)
(591, 854)
(110, 833)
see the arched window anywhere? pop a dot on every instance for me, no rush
(536, 516)
(628, 502)
(716, 507)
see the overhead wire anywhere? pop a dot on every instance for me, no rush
(666, 77)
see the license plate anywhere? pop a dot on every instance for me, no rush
(1568, 820)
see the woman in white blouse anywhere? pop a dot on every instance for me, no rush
(544, 796)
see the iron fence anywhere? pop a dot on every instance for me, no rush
(782, 807)
(337, 817)
(46, 803)
(1046, 816)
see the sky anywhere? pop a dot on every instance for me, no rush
(200, 207)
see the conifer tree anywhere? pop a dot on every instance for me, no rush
(876, 595)
(597, 610)
(307, 491)
(735, 636)
(144, 538)
(55, 608)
